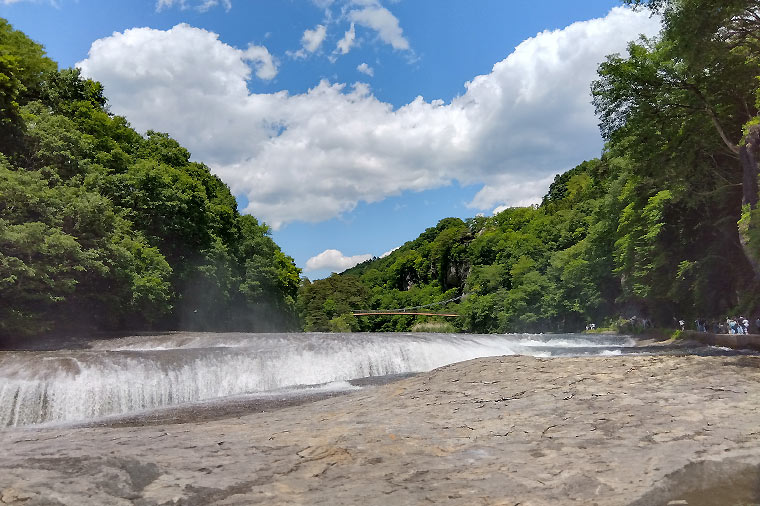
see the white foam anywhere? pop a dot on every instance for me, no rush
(150, 372)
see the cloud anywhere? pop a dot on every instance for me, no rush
(315, 155)
(266, 67)
(367, 13)
(311, 41)
(381, 20)
(208, 4)
(389, 252)
(366, 69)
(333, 260)
(200, 5)
(506, 188)
(347, 42)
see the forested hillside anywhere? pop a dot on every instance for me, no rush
(103, 228)
(663, 225)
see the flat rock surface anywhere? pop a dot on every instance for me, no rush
(511, 430)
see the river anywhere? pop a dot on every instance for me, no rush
(138, 374)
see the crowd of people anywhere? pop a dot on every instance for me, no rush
(732, 325)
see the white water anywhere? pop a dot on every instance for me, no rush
(142, 373)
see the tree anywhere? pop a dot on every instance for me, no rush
(698, 79)
(326, 304)
(23, 68)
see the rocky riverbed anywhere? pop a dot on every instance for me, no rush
(620, 430)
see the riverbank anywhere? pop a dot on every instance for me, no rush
(688, 338)
(603, 430)
(734, 341)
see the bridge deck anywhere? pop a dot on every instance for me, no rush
(373, 313)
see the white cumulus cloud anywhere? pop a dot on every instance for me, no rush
(347, 42)
(366, 69)
(376, 17)
(266, 67)
(311, 41)
(389, 252)
(334, 260)
(519, 192)
(315, 155)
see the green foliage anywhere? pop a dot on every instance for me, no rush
(102, 228)
(343, 323)
(30, 67)
(678, 108)
(23, 69)
(434, 327)
(326, 304)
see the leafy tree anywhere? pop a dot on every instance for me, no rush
(23, 68)
(102, 228)
(697, 81)
(326, 304)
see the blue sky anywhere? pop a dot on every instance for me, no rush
(352, 125)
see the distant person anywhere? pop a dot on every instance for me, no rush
(738, 325)
(757, 324)
(745, 325)
(682, 324)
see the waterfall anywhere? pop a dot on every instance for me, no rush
(143, 373)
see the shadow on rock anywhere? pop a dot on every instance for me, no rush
(730, 482)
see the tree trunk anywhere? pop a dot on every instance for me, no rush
(749, 254)
(749, 176)
(748, 157)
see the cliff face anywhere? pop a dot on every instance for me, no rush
(609, 430)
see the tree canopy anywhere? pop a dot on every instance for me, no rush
(103, 228)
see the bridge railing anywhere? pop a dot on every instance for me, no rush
(376, 313)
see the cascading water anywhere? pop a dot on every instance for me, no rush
(143, 373)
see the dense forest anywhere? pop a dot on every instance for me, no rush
(663, 226)
(103, 228)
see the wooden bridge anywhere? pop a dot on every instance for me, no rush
(410, 310)
(374, 313)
